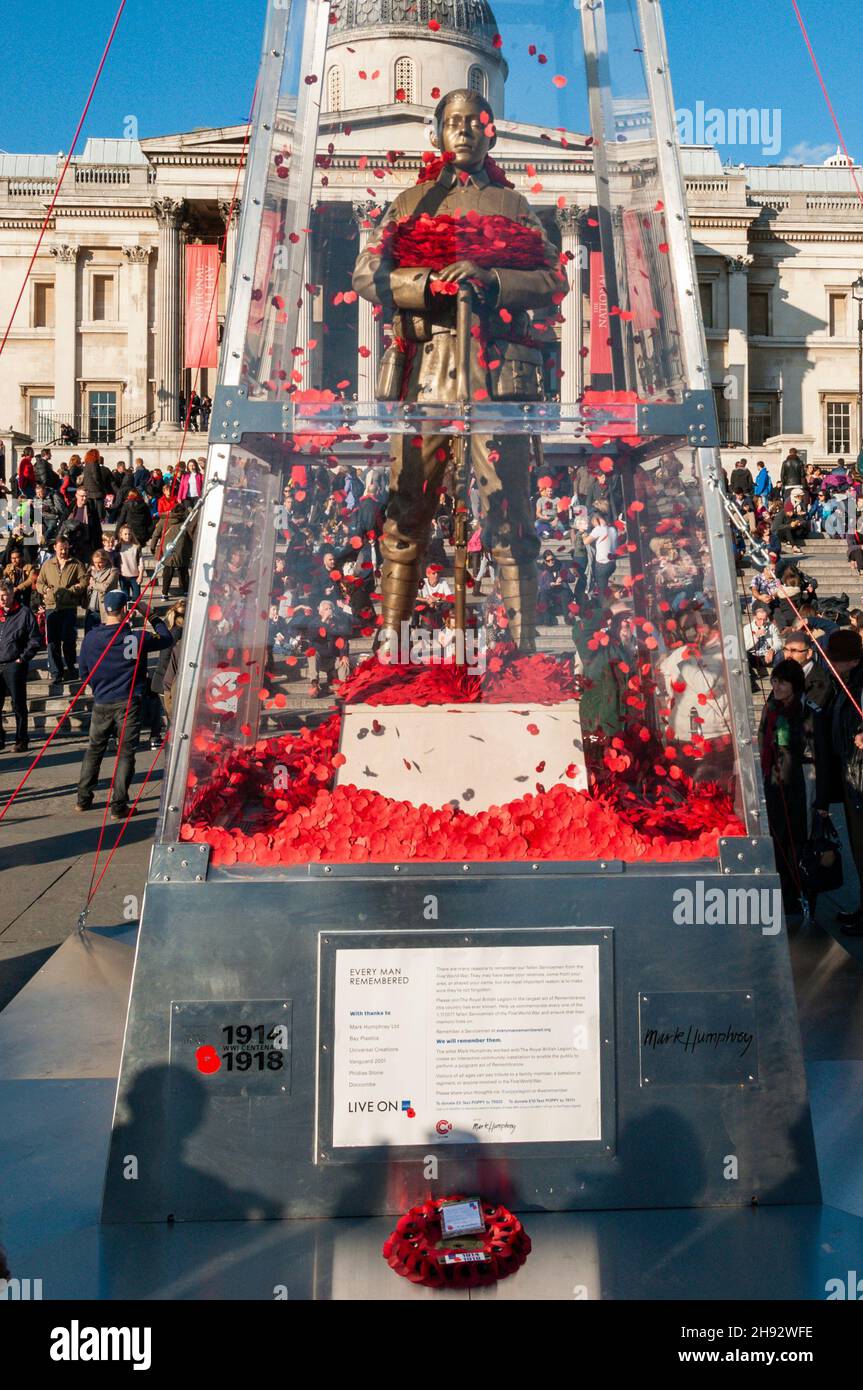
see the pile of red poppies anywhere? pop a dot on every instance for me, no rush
(276, 803)
(524, 680)
(489, 240)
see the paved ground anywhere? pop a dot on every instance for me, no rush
(47, 856)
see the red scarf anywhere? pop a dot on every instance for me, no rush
(433, 165)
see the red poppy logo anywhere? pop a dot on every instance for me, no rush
(208, 1060)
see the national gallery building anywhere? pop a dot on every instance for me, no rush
(99, 342)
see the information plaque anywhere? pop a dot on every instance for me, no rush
(453, 1042)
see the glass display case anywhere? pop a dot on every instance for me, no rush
(464, 588)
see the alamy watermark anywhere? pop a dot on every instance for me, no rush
(728, 907)
(736, 125)
(409, 646)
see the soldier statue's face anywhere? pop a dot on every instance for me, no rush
(463, 133)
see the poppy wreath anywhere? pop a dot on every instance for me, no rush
(413, 1248)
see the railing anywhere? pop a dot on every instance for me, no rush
(760, 430)
(769, 204)
(816, 202)
(50, 429)
(697, 185)
(85, 174)
(736, 433)
(731, 432)
(31, 188)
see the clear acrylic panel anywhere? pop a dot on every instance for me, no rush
(613, 739)
(466, 594)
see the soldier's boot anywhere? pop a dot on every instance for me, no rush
(518, 588)
(400, 581)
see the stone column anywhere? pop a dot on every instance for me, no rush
(169, 275)
(66, 400)
(367, 218)
(571, 222)
(737, 368)
(137, 316)
(232, 222)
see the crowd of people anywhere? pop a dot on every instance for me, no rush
(74, 559)
(807, 500)
(86, 563)
(805, 654)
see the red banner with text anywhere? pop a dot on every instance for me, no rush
(600, 344)
(202, 303)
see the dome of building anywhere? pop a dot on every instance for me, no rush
(382, 52)
(472, 17)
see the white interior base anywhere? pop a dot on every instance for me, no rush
(472, 756)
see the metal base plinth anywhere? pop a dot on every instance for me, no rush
(673, 1126)
(56, 1098)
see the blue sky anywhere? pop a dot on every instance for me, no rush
(177, 64)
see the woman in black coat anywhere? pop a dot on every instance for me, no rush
(136, 515)
(787, 738)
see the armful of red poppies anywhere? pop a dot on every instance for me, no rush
(377, 278)
(539, 288)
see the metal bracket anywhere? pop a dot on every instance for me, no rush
(745, 855)
(234, 415)
(179, 863)
(693, 419)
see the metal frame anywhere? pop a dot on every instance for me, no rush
(257, 935)
(595, 40)
(682, 259)
(237, 419)
(218, 457)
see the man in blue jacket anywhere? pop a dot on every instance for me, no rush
(763, 485)
(111, 682)
(19, 643)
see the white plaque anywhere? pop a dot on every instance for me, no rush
(469, 756)
(470, 1044)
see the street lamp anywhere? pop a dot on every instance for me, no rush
(857, 292)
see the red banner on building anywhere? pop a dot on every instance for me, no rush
(264, 283)
(202, 304)
(644, 314)
(600, 332)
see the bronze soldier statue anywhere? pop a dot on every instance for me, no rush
(422, 363)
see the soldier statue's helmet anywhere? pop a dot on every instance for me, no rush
(474, 97)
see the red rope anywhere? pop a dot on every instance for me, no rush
(95, 886)
(73, 702)
(50, 211)
(827, 99)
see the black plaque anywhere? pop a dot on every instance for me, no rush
(234, 1047)
(699, 1038)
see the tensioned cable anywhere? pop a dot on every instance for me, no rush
(63, 172)
(823, 85)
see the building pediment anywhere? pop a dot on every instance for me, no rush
(211, 140)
